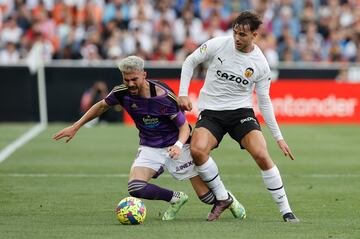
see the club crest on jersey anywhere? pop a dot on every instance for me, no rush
(249, 72)
(163, 109)
(203, 48)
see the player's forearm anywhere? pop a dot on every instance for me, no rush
(184, 133)
(268, 114)
(95, 111)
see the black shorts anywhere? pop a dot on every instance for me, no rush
(237, 123)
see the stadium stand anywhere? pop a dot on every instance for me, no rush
(309, 30)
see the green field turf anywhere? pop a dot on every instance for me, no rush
(9, 132)
(51, 189)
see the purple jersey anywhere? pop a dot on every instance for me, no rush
(157, 118)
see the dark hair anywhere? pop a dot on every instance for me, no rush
(248, 18)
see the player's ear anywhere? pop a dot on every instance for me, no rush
(145, 74)
(255, 34)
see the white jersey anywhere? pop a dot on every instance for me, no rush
(231, 79)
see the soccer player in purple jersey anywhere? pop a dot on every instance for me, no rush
(163, 132)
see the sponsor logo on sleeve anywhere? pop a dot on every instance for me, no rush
(203, 48)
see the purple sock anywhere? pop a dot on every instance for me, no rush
(142, 189)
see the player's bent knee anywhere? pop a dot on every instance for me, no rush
(197, 152)
(263, 159)
(259, 156)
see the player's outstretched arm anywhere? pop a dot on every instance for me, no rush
(185, 103)
(95, 111)
(285, 148)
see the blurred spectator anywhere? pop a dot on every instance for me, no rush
(188, 47)
(310, 43)
(267, 43)
(11, 32)
(164, 51)
(141, 8)
(194, 5)
(188, 26)
(10, 54)
(332, 50)
(1, 19)
(113, 49)
(287, 47)
(47, 49)
(89, 51)
(343, 75)
(141, 21)
(324, 22)
(23, 18)
(308, 15)
(265, 8)
(117, 9)
(163, 11)
(286, 19)
(218, 7)
(98, 91)
(215, 26)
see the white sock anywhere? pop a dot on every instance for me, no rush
(209, 173)
(273, 182)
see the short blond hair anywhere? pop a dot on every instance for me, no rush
(131, 63)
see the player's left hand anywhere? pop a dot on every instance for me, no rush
(285, 148)
(174, 151)
(68, 132)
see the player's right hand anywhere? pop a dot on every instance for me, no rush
(68, 132)
(174, 152)
(285, 148)
(185, 103)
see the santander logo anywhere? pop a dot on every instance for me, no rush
(330, 106)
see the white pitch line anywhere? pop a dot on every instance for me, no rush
(45, 175)
(23, 139)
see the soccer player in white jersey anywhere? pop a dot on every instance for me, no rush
(236, 67)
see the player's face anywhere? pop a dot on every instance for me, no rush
(243, 37)
(134, 81)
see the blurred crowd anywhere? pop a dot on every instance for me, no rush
(293, 30)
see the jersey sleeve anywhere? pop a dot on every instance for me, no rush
(205, 52)
(174, 112)
(115, 97)
(178, 118)
(262, 88)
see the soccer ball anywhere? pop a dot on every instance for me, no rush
(131, 211)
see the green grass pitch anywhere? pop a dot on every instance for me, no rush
(51, 189)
